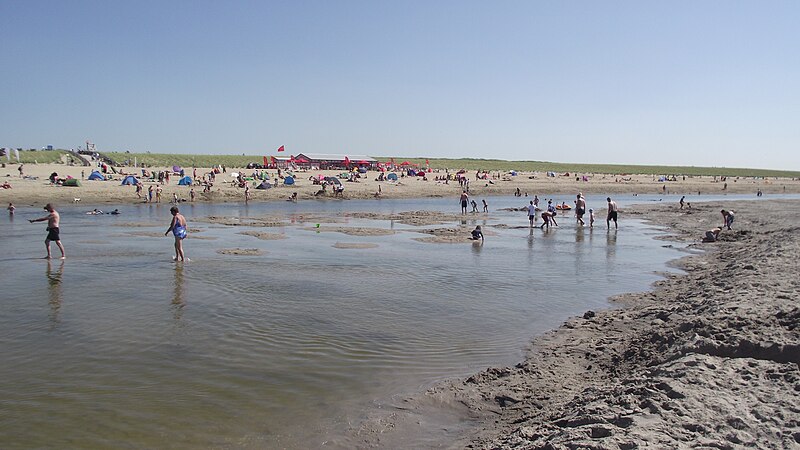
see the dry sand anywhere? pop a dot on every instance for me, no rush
(709, 359)
(40, 191)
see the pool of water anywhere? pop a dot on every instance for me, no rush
(120, 346)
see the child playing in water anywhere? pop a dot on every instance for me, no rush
(591, 218)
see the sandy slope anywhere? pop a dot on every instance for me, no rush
(709, 359)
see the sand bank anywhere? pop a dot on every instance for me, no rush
(708, 359)
(38, 190)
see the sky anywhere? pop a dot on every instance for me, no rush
(699, 83)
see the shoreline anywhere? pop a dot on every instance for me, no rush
(708, 358)
(38, 190)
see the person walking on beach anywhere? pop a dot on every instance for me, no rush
(191, 194)
(178, 229)
(682, 202)
(158, 193)
(53, 220)
(580, 208)
(531, 213)
(727, 219)
(150, 194)
(485, 205)
(464, 200)
(20, 170)
(612, 213)
(474, 205)
(11, 208)
(591, 218)
(247, 193)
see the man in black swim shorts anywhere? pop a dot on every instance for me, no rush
(53, 219)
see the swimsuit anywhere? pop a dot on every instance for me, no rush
(179, 232)
(52, 234)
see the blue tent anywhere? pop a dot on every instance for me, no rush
(130, 180)
(392, 176)
(185, 181)
(97, 176)
(288, 181)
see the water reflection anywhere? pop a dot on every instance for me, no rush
(54, 289)
(579, 235)
(477, 246)
(177, 298)
(611, 243)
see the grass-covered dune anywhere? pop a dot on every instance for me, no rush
(233, 161)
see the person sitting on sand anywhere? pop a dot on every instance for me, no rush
(727, 218)
(712, 235)
(477, 233)
(6, 185)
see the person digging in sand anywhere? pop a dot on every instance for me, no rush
(53, 219)
(712, 235)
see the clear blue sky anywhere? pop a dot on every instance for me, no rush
(712, 83)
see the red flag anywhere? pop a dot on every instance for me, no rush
(427, 163)
(346, 161)
(291, 158)
(281, 149)
(265, 161)
(272, 158)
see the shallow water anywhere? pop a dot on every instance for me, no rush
(120, 346)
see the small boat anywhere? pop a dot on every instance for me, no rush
(563, 207)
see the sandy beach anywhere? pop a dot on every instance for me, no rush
(37, 189)
(708, 359)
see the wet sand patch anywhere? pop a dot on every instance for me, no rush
(135, 224)
(264, 236)
(353, 231)
(354, 245)
(417, 218)
(457, 235)
(240, 251)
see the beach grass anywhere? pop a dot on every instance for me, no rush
(235, 161)
(38, 156)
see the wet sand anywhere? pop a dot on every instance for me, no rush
(708, 359)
